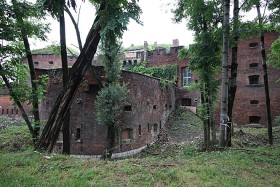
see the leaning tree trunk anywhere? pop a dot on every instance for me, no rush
(224, 95)
(233, 73)
(63, 52)
(265, 77)
(51, 130)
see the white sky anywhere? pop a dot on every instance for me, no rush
(157, 26)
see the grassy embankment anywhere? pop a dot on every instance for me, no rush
(250, 166)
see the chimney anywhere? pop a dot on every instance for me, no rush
(155, 45)
(145, 50)
(175, 42)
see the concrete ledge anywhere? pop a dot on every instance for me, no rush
(114, 155)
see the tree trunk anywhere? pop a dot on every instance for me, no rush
(18, 103)
(63, 52)
(265, 77)
(76, 28)
(224, 94)
(233, 73)
(205, 129)
(64, 100)
(110, 142)
(35, 100)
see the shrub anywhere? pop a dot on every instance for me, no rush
(15, 138)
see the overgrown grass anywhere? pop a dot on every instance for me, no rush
(182, 166)
(251, 167)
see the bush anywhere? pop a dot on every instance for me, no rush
(276, 121)
(15, 138)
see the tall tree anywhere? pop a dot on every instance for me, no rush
(203, 18)
(233, 69)
(111, 16)
(18, 22)
(265, 76)
(224, 94)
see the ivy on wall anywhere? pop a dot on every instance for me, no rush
(167, 73)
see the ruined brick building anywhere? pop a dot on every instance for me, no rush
(150, 102)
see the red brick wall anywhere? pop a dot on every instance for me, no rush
(151, 104)
(245, 92)
(42, 61)
(161, 58)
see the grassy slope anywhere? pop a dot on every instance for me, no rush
(253, 167)
(183, 166)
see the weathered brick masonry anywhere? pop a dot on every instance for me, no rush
(250, 105)
(150, 104)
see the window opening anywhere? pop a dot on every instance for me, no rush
(127, 108)
(139, 130)
(155, 128)
(78, 134)
(186, 102)
(254, 119)
(186, 76)
(7, 111)
(254, 65)
(254, 102)
(254, 79)
(36, 62)
(50, 62)
(253, 45)
(127, 134)
(155, 107)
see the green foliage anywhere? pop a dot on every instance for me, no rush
(115, 19)
(277, 121)
(274, 56)
(189, 151)
(167, 72)
(110, 103)
(14, 138)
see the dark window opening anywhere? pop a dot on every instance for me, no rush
(139, 130)
(124, 62)
(3, 111)
(93, 88)
(130, 62)
(155, 107)
(254, 65)
(166, 106)
(127, 108)
(254, 79)
(155, 128)
(36, 62)
(254, 119)
(160, 125)
(186, 102)
(12, 111)
(135, 62)
(50, 62)
(7, 111)
(253, 45)
(170, 106)
(127, 134)
(78, 134)
(254, 102)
